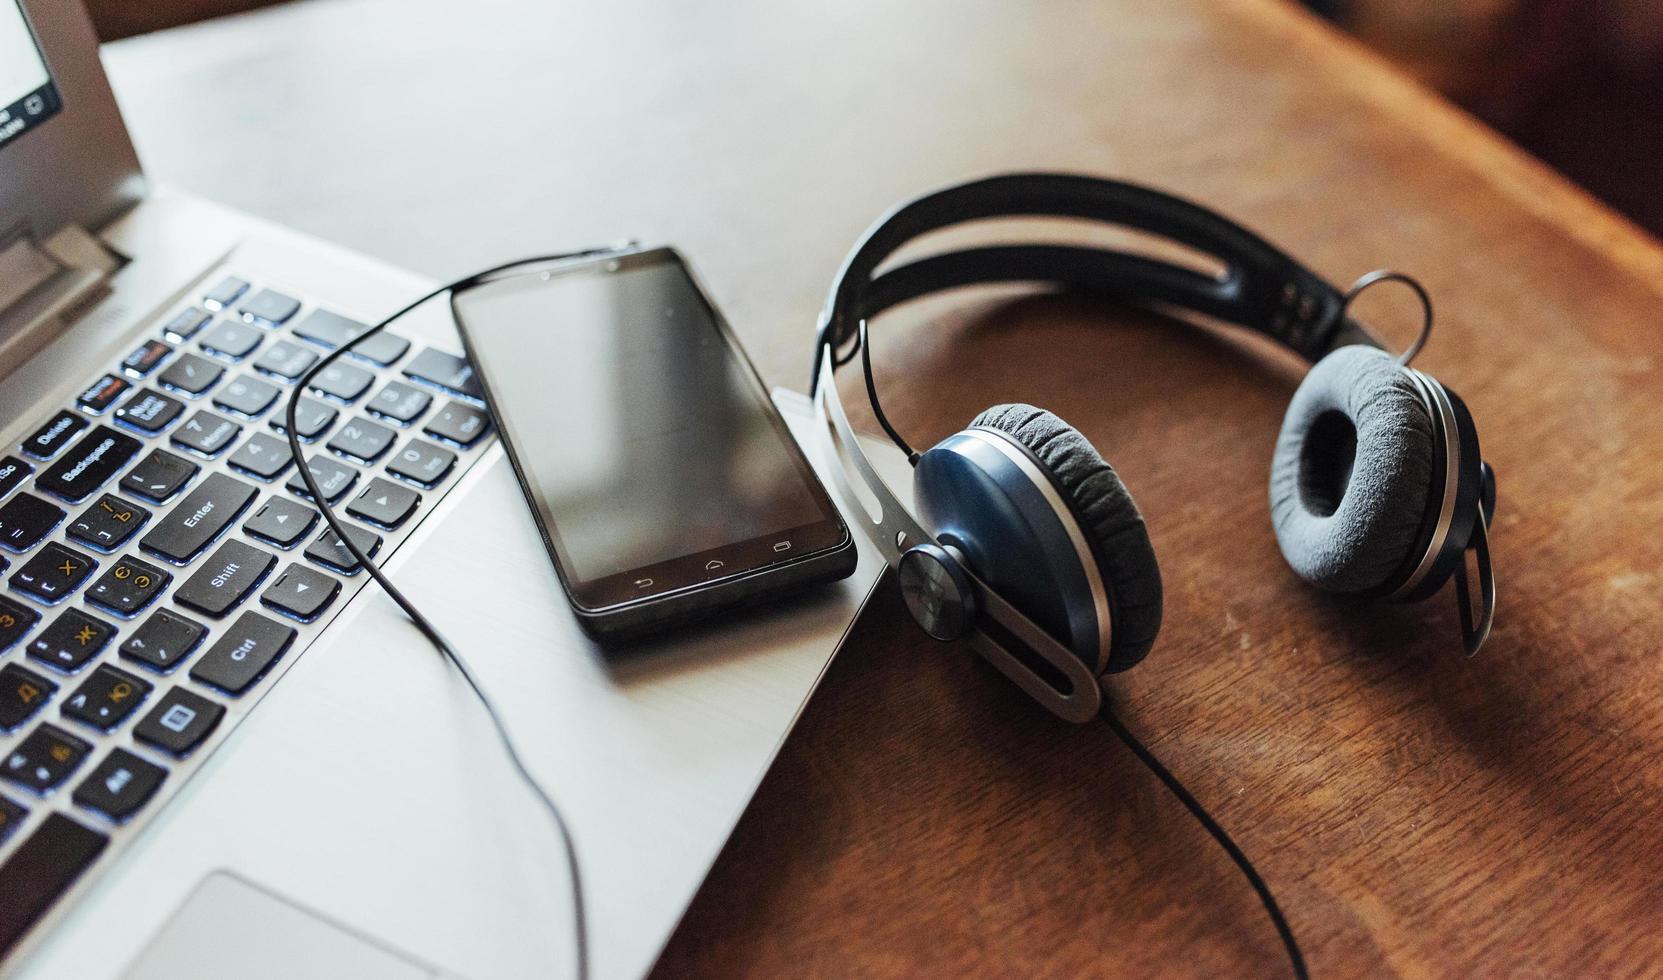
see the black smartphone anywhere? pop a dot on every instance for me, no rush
(664, 481)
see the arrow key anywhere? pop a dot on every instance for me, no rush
(384, 503)
(332, 553)
(301, 592)
(281, 521)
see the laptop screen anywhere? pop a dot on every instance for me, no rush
(27, 95)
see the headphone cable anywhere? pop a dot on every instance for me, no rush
(421, 622)
(1295, 958)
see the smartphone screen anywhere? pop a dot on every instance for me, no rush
(648, 446)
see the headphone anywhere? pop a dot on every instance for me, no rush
(1027, 543)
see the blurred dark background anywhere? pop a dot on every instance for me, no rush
(1578, 83)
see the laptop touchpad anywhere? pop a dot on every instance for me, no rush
(229, 927)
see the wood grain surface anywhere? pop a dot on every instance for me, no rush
(1418, 813)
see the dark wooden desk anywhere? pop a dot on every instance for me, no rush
(1418, 813)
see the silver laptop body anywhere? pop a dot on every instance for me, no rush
(351, 813)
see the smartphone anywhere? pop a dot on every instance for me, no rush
(663, 479)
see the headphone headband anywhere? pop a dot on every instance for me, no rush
(1262, 288)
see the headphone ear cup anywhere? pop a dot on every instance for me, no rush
(1107, 516)
(1352, 475)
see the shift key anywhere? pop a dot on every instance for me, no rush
(225, 579)
(197, 520)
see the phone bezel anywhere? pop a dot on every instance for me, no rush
(712, 570)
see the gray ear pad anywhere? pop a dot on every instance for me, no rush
(1353, 471)
(1106, 514)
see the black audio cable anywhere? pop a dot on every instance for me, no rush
(1295, 957)
(422, 623)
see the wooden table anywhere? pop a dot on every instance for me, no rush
(1417, 812)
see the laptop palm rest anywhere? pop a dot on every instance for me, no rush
(232, 928)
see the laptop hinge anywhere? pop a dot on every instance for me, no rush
(46, 285)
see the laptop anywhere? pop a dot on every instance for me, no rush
(221, 752)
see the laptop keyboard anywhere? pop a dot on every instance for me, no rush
(161, 561)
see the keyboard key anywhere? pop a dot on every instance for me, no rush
(89, 464)
(331, 553)
(108, 523)
(179, 722)
(194, 523)
(301, 592)
(270, 306)
(191, 374)
(40, 870)
(13, 472)
(102, 393)
(345, 383)
(342, 382)
(163, 640)
(453, 374)
(128, 586)
(159, 476)
(146, 358)
(150, 411)
(25, 519)
(460, 424)
(16, 619)
(206, 433)
(225, 293)
(53, 573)
(231, 338)
(422, 463)
(384, 503)
(312, 418)
(73, 639)
(54, 435)
(399, 402)
(43, 760)
(334, 478)
(225, 580)
(332, 330)
(281, 521)
(382, 349)
(185, 326)
(22, 693)
(263, 456)
(287, 360)
(328, 329)
(121, 784)
(106, 698)
(246, 396)
(363, 440)
(244, 654)
(11, 819)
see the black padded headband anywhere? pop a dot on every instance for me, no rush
(1262, 288)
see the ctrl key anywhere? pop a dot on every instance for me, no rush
(243, 654)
